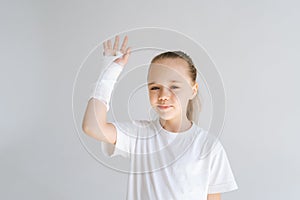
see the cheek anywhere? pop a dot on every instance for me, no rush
(179, 95)
(182, 97)
(185, 93)
(152, 97)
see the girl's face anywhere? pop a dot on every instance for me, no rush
(170, 87)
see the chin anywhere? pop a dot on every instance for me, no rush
(167, 115)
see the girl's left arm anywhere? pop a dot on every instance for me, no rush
(216, 196)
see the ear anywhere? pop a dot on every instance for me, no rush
(195, 90)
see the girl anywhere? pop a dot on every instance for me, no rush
(171, 157)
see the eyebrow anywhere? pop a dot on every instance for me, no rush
(172, 81)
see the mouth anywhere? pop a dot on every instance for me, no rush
(164, 107)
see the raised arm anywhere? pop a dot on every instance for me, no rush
(94, 121)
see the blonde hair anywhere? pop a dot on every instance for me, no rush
(194, 105)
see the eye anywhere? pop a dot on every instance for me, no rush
(154, 88)
(174, 87)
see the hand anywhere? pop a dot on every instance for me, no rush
(108, 51)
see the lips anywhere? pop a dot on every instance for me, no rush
(164, 106)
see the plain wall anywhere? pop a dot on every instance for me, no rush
(43, 43)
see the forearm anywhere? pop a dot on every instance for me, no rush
(104, 86)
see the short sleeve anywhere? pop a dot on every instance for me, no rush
(221, 178)
(125, 140)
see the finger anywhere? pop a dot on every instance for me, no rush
(128, 50)
(127, 54)
(124, 44)
(116, 45)
(104, 45)
(104, 48)
(109, 44)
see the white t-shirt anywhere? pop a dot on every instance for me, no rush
(166, 165)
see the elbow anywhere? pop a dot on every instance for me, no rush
(93, 132)
(85, 128)
(86, 125)
(89, 131)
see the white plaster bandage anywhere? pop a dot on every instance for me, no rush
(103, 88)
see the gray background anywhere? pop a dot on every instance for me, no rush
(253, 43)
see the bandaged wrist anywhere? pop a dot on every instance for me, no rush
(103, 88)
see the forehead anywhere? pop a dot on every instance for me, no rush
(169, 70)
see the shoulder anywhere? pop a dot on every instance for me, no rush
(210, 144)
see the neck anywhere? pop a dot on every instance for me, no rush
(176, 125)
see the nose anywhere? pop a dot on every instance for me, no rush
(164, 94)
